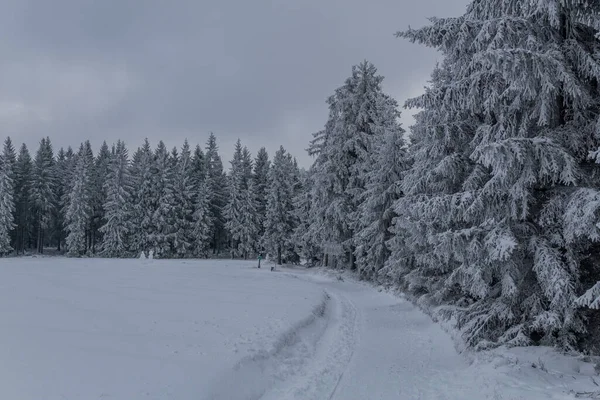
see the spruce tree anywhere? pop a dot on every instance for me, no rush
(118, 204)
(144, 203)
(42, 191)
(217, 184)
(202, 218)
(279, 224)
(163, 232)
(344, 155)
(382, 190)
(23, 201)
(79, 209)
(10, 157)
(249, 230)
(184, 203)
(7, 204)
(497, 207)
(232, 212)
(260, 184)
(99, 195)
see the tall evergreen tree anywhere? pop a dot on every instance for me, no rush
(203, 222)
(260, 184)
(344, 156)
(10, 157)
(217, 184)
(99, 195)
(279, 225)
(501, 172)
(79, 210)
(163, 234)
(232, 212)
(118, 204)
(42, 191)
(382, 184)
(60, 196)
(7, 203)
(249, 231)
(143, 199)
(23, 202)
(184, 203)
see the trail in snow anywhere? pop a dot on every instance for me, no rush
(373, 345)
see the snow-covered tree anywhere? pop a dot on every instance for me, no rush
(249, 230)
(492, 222)
(217, 184)
(99, 194)
(259, 187)
(10, 157)
(60, 195)
(279, 224)
(163, 234)
(376, 211)
(22, 184)
(79, 209)
(203, 222)
(232, 212)
(344, 154)
(144, 203)
(118, 205)
(7, 201)
(42, 190)
(184, 203)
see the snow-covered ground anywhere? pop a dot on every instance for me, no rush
(136, 329)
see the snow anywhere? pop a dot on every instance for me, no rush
(206, 329)
(132, 329)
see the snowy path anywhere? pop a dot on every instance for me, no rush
(371, 345)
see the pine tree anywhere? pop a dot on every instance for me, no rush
(23, 202)
(232, 212)
(163, 234)
(279, 225)
(184, 203)
(383, 179)
(99, 195)
(249, 230)
(42, 193)
(344, 151)
(10, 157)
(203, 222)
(500, 199)
(260, 184)
(7, 204)
(217, 184)
(118, 205)
(144, 204)
(79, 210)
(306, 246)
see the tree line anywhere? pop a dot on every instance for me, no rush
(177, 203)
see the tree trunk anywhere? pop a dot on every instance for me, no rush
(279, 255)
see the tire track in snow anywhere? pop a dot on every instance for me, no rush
(307, 362)
(321, 376)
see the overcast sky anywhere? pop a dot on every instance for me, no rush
(254, 69)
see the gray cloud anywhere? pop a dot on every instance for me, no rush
(259, 70)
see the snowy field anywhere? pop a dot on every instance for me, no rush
(139, 329)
